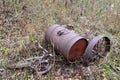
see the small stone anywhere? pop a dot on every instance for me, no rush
(118, 68)
(2, 71)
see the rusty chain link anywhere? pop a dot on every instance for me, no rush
(40, 65)
(96, 50)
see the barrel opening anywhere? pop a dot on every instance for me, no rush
(77, 49)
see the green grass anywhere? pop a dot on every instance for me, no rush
(4, 50)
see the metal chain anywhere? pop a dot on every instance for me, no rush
(40, 65)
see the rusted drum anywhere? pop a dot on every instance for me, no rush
(66, 41)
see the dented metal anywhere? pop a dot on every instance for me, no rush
(73, 46)
(96, 49)
(70, 44)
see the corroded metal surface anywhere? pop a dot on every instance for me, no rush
(96, 49)
(66, 41)
(41, 64)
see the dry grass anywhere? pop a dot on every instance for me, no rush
(23, 24)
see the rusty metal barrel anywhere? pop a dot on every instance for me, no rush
(70, 44)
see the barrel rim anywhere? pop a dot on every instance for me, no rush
(72, 44)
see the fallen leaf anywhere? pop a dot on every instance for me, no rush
(30, 29)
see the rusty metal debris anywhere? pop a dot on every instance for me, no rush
(75, 47)
(71, 45)
(66, 41)
(96, 49)
(40, 65)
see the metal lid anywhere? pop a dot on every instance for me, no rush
(96, 49)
